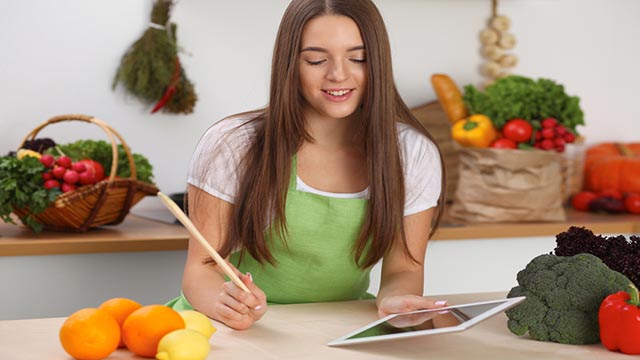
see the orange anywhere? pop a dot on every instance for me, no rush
(143, 328)
(120, 308)
(90, 334)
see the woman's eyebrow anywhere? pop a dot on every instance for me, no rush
(319, 49)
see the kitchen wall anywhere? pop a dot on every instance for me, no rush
(54, 285)
(60, 56)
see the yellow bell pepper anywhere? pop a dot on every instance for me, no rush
(26, 152)
(475, 131)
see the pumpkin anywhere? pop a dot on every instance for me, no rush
(613, 166)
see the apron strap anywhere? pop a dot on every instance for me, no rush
(293, 178)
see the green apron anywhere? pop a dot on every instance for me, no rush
(316, 263)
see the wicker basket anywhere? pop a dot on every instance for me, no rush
(104, 203)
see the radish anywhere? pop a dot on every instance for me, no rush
(47, 160)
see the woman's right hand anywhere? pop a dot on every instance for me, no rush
(238, 308)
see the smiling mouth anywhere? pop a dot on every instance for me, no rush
(342, 92)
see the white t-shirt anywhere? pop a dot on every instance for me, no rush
(215, 162)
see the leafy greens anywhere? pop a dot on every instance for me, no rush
(521, 97)
(21, 186)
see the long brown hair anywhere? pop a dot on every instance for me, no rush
(280, 131)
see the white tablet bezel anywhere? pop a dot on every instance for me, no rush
(506, 304)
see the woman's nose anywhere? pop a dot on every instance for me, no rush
(337, 71)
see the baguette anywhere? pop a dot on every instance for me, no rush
(449, 96)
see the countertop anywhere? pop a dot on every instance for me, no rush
(302, 331)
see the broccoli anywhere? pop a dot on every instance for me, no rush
(563, 297)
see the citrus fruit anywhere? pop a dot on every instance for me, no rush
(183, 344)
(143, 328)
(90, 334)
(197, 321)
(120, 309)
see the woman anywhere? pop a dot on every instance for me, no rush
(306, 195)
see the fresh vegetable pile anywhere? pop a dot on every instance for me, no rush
(610, 201)
(38, 173)
(611, 179)
(101, 152)
(563, 298)
(65, 174)
(521, 97)
(583, 293)
(524, 113)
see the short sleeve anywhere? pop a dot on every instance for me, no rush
(216, 160)
(422, 170)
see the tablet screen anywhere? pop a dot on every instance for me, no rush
(423, 322)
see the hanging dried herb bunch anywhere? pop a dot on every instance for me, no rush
(151, 69)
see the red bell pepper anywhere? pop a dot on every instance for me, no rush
(619, 318)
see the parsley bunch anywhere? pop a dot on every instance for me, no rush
(521, 97)
(21, 186)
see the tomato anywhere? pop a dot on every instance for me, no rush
(632, 203)
(581, 200)
(518, 130)
(94, 172)
(504, 143)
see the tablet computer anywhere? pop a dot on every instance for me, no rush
(427, 322)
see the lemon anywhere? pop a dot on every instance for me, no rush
(26, 152)
(183, 344)
(197, 321)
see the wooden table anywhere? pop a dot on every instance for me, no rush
(302, 332)
(140, 234)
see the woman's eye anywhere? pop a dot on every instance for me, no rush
(315, 62)
(359, 61)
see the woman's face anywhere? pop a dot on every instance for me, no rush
(332, 67)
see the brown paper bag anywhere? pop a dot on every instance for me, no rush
(504, 185)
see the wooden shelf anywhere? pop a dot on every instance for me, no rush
(133, 234)
(598, 223)
(139, 234)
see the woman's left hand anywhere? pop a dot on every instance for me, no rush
(404, 303)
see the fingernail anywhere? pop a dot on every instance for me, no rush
(258, 307)
(443, 312)
(441, 302)
(250, 277)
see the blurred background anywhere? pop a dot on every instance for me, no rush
(60, 57)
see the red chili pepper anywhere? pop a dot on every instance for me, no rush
(164, 99)
(619, 318)
(168, 93)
